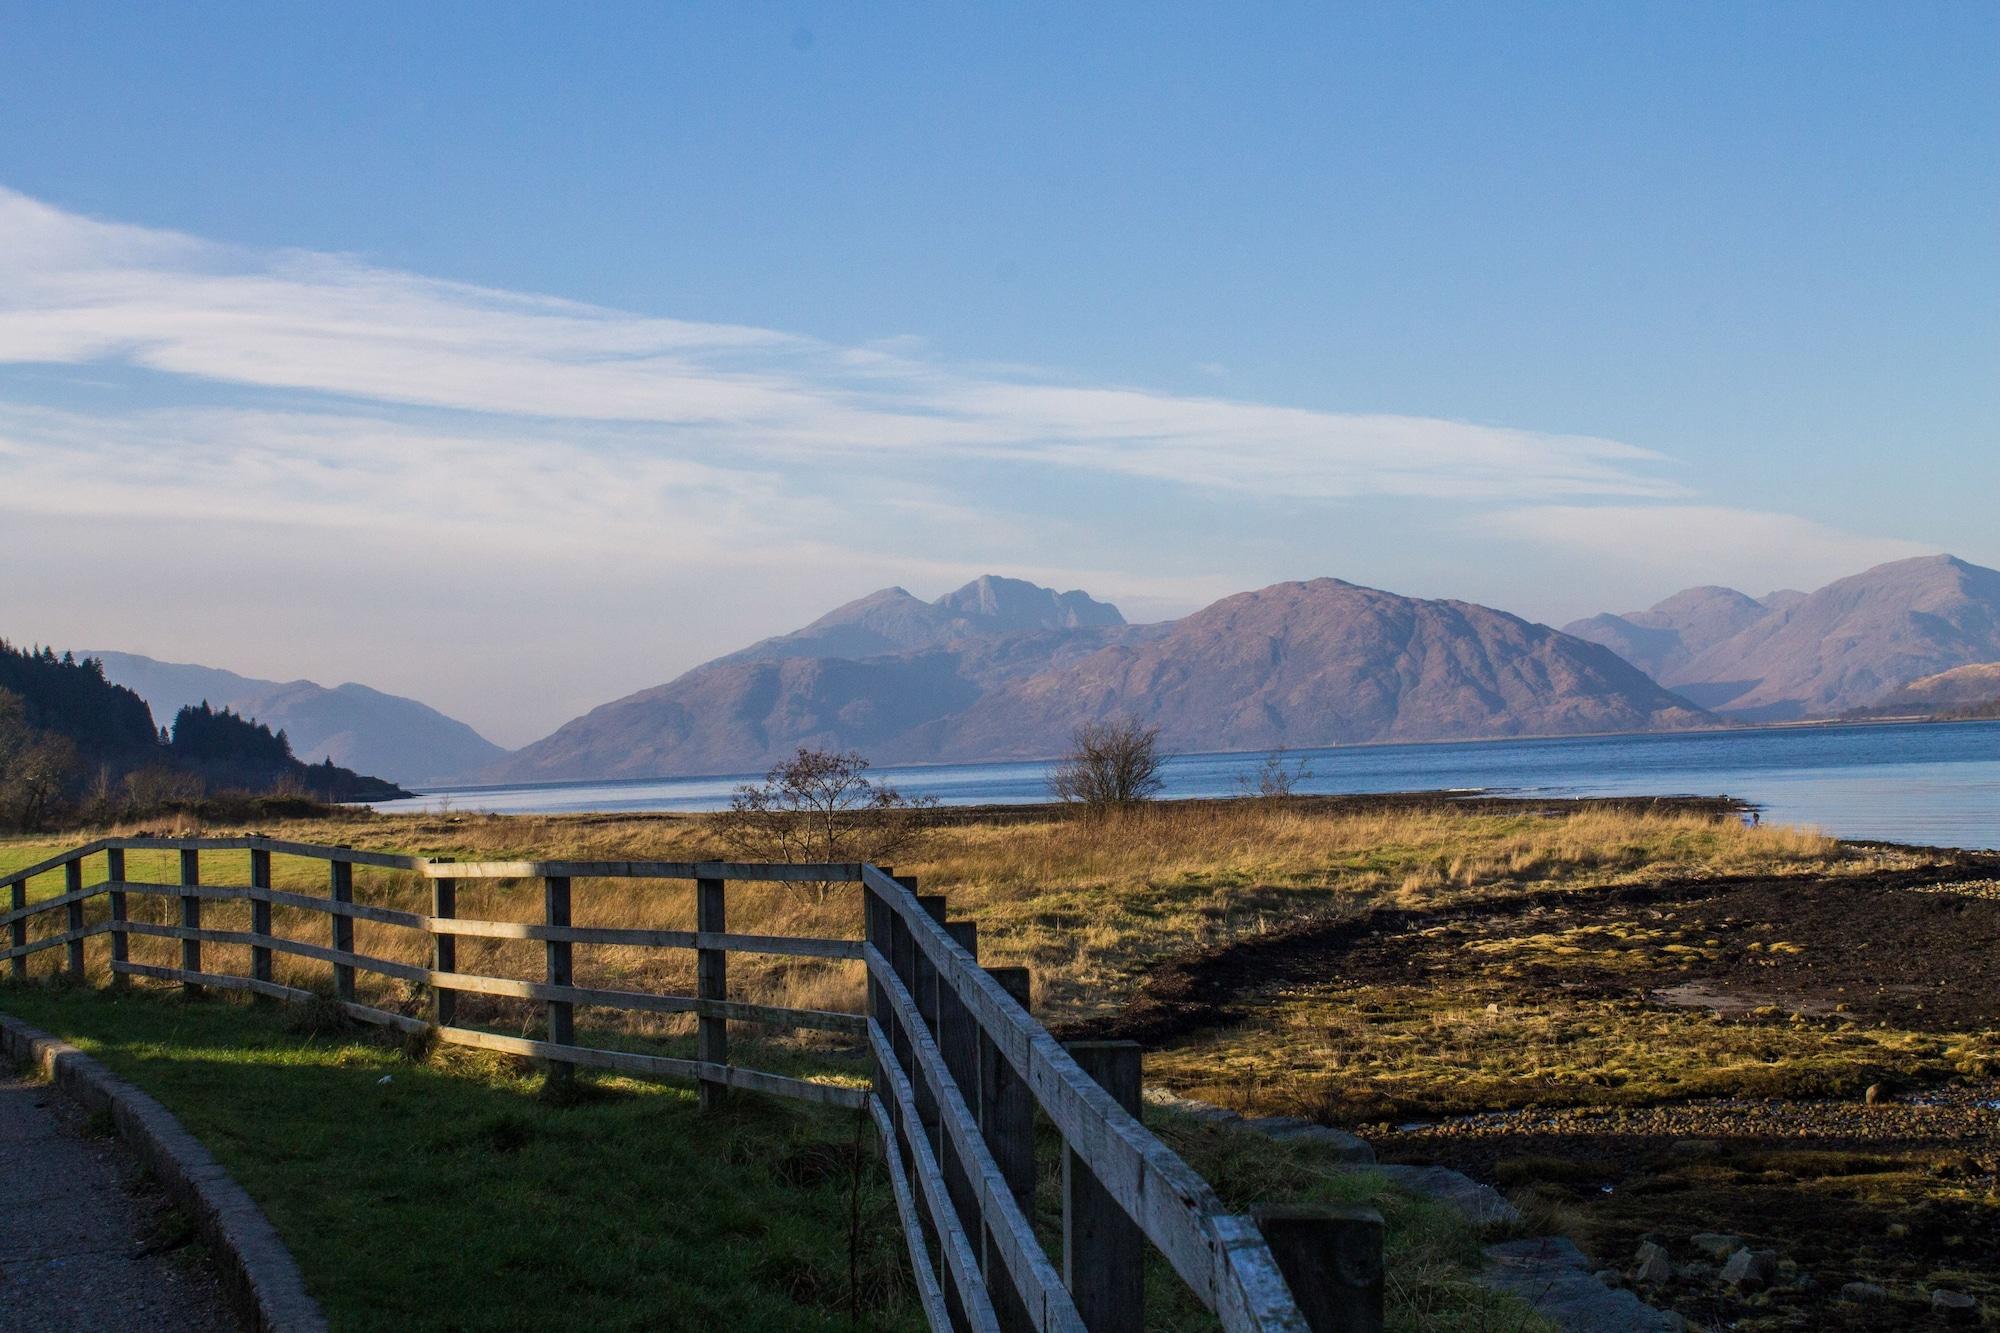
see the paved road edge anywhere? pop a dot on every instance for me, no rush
(258, 1273)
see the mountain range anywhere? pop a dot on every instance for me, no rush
(74, 744)
(1796, 655)
(1961, 687)
(1004, 669)
(353, 725)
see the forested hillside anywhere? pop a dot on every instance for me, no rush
(75, 746)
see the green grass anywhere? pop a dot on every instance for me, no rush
(456, 1195)
(1429, 1251)
(542, 1212)
(19, 855)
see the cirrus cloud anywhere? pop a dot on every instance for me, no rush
(1688, 544)
(77, 291)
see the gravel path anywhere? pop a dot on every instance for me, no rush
(81, 1240)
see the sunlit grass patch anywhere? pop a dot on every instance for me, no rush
(1378, 1053)
(450, 1192)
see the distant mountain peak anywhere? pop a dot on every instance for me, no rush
(1674, 630)
(892, 620)
(355, 725)
(1018, 604)
(1847, 645)
(1011, 669)
(1942, 560)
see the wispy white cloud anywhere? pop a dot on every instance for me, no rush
(78, 291)
(1683, 545)
(273, 426)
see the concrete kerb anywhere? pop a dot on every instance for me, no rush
(258, 1273)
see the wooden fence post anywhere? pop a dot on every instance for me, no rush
(190, 917)
(1104, 1252)
(17, 932)
(1332, 1261)
(903, 959)
(875, 931)
(927, 986)
(711, 977)
(340, 886)
(114, 870)
(562, 1014)
(73, 916)
(923, 984)
(444, 949)
(903, 962)
(1007, 1123)
(957, 1039)
(260, 919)
(1006, 1104)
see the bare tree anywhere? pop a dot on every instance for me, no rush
(1276, 778)
(820, 806)
(1110, 764)
(36, 767)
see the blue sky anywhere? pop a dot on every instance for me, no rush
(515, 357)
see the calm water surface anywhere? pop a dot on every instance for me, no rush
(1928, 783)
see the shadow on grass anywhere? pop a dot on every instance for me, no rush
(451, 1193)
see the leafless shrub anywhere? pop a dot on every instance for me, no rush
(1110, 765)
(162, 788)
(1276, 778)
(35, 768)
(819, 806)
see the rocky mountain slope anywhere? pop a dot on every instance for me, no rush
(1673, 633)
(1002, 669)
(893, 621)
(1848, 645)
(355, 726)
(1323, 663)
(1959, 687)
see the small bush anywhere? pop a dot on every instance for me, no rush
(819, 806)
(1110, 765)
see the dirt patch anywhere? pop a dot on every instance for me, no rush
(1882, 943)
(1651, 1061)
(1900, 1194)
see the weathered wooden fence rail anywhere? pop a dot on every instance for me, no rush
(960, 1071)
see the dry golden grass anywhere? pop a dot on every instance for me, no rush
(1373, 1054)
(1088, 905)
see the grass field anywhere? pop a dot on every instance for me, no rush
(445, 1189)
(1089, 905)
(447, 1192)
(1366, 967)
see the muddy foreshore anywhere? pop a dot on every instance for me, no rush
(1854, 1170)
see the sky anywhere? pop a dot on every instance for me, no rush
(516, 357)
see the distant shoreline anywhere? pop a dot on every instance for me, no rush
(1802, 724)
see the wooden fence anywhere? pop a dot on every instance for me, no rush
(960, 1072)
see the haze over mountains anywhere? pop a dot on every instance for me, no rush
(1959, 687)
(357, 727)
(1790, 655)
(892, 621)
(1003, 669)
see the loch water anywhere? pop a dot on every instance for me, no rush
(1932, 783)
